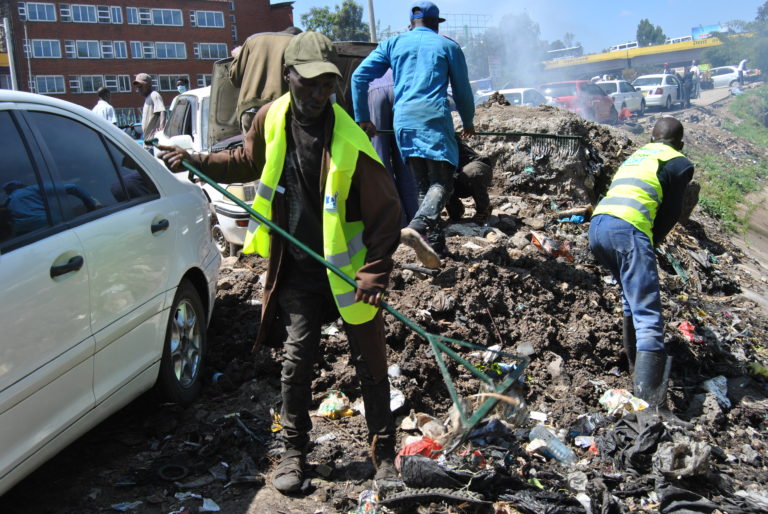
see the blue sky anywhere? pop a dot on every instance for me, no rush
(596, 24)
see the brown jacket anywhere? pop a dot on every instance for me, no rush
(258, 70)
(372, 199)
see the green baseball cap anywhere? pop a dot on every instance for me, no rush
(310, 54)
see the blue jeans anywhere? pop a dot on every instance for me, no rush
(435, 181)
(628, 254)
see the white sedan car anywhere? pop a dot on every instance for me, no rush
(660, 90)
(516, 96)
(724, 76)
(108, 271)
(624, 95)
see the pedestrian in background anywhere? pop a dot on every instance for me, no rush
(153, 115)
(381, 101)
(741, 69)
(182, 85)
(696, 71)
(423, 64)
(103, 108)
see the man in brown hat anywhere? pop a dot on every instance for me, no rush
(153, 111)
(323, 182)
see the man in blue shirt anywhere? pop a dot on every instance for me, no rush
(423, 63)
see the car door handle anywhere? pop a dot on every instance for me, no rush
(160, 225)
(74, 264)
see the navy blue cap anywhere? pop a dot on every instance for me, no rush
(425, 10)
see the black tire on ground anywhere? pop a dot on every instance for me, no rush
(184, 347)
(733, 83)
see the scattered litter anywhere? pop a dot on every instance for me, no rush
(550, 246)
(396, 401)
(424, 446)
(127, 506)
(584, 441)
(367, 502)
(608, 279)
(394, 371)
(491, 354)
(219, 471)
(335, 405)
(325, 438)
(209, 506)
(689, 332)
(755, 368)
(552, 446)
(682, 458)
(276, 426)
(331, 330)
(574, 218)
(187, 496)
(620, 401)
(472, 246)
(719, 387)
(538, 416)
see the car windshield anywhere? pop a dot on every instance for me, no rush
(555, 90)
(514, 98)
(647, 81)
(608, 87)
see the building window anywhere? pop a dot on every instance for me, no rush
(69, 49)
(170, 51)
(231, 5)
(204, 80)
(49, 84)
(168, 82)
(233, 29)
(167, 17)
(148, 48)
(210, 50)
(87, 49)
(5, 81)
(137, 51)
(37, 11)
(42, 48)
(74, 84)
(132, 15)
(102, 12)
(116, 15)
(210, 19)
(83, 13)
(91, 83)
(118, 83)
(121, 50)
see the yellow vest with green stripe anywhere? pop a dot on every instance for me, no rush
(635, 192)
(342, 240)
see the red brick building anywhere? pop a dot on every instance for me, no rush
(72, 49)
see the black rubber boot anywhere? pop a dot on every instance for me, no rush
(649, 378)
(630, 341)
(381, 428)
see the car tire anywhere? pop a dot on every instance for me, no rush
(184, 347)
(733, 83)
(224, 247)
(641, 112)
(668, 103)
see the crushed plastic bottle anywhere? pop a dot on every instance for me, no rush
(554, 446)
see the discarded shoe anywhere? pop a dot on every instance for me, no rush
(424, 252)
(288, 476)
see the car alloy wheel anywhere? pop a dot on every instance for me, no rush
(184, 349)
(221, 242)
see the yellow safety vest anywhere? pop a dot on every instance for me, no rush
(342, 240)
(635, 192)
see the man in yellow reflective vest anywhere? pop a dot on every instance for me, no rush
(321, 180)
(643, 203)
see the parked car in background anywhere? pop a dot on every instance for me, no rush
(660, 90)
(135, 131)
(724, 76)
(108, 272)
(582, 97)
(623, 95)
(516, 96)
(187, 127)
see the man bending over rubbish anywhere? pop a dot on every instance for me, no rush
(322, 181)
(642, 205)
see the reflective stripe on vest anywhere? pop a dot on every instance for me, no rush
(635, 192)
(342, 240)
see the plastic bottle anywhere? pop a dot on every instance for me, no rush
(555, 447)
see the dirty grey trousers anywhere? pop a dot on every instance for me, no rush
(435, 182)
(303, 314)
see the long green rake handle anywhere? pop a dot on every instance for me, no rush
(517, 134)
(436, 341)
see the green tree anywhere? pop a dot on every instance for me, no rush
(569, 40)
(345, 23)
(648, 34)
(557, 45)
(762, 12)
